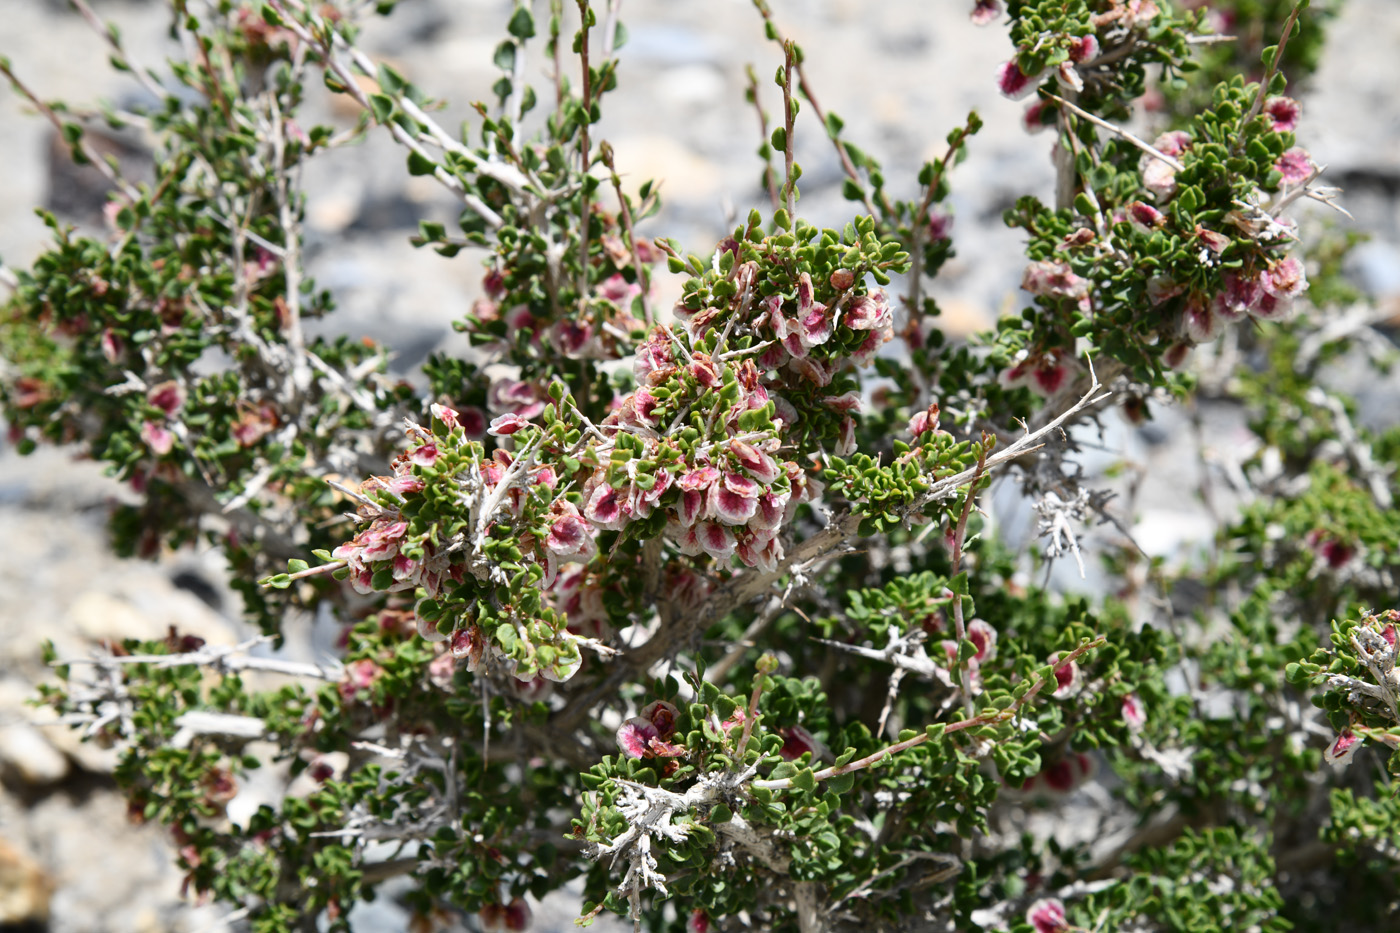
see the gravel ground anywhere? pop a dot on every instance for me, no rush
(900, 79)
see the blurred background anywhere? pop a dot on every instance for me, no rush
(900, 73)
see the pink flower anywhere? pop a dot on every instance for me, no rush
(1065, 775)
(769, 514)
(1033, 119)
(985, 638)
(505, 425)
(520, 318)
(1013, 82)
(1048, 277)
(813, 371)
(1140, 11)
(568, 535)
(1285, 278)
(1084, 48)
(1134, 712)
(1278, 285)
(699, 921)
(634, 737)
(1069, 77)
(985, 11)
(1047, 916)
(1284, 112)
(940, 224)
(699, 479)
(1238, 299)
(653, 356)
(473, 421)
(514, 917)
(925, 422)
(515, 397)
(758, 464)
(644, 405)
(717, 540)
(1295, 165)
(1176, 355)
(441, 669)
(1049, 377)
(1215, 242)
(157, 437)
(1158, 177)
(864, 353)
(742, 486)
(571, 337)
(797, 742)
(359, 675)
(1066, 675)
(1340, 752)
(703, 369)
(618, 290)
(604, 508)
(424, 455)
(731, 507)
(867, 312)
(1160, 289)
(1172, 143)
(1202, 324)
(167, 396)
(846, 440)
(846, 401)
(112, 346)
(1388, 633)
(816, 326)
(494, 283)
(448, 416)
(469, 644)
(1144, 217)
(380, 541)
(404, 485)
(1333, 551)
(646, 734)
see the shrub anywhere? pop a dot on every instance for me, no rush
(698, 605)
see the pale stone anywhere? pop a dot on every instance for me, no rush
(25, 888)
(28, 755)
(100, 616)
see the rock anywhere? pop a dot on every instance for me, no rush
(99, 617)
(963, 318)
(690, 85)
(687, 177)
(25, 889)
(27, 756)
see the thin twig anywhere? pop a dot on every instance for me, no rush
(1269, 72)
(984, 718)
(789, 119)
(1118, 131)
(770, 182)
(124, 188)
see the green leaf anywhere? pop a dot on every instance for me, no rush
(419, 164)
(504, 58)
(383, 107)
(522, 24)
(391, 81)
